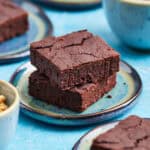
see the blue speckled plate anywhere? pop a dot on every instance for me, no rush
(39, 27)
(123, 95)
(71, 4)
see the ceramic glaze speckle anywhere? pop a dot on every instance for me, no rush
(126, 90)
(130, 22)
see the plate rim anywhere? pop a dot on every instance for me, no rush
(84, 116)
(76, 145)
(96, 2)
(25, 53)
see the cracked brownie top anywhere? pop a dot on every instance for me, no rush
(71, 50)
(132, 133)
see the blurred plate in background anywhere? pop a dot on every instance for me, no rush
(71, 4)
(39, 27)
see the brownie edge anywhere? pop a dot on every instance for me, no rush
(76, 99)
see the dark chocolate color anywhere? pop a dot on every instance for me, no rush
(74, 59)
(132, 133)
(13, 20)
(76, 99)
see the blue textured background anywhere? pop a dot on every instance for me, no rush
(34, 135)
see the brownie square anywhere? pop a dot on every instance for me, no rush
(76, 99)
(13, 20)
(74, 59)
(132, 133)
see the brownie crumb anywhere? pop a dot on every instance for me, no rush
(109, 96)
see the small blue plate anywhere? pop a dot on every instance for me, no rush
(39, 27)
(123, 96)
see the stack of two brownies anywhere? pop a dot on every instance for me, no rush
(73, 71)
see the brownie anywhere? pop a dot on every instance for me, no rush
(74, 59)
(132, 133)
(13, 20)
(76, 99)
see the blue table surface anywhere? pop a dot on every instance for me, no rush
(35, 135)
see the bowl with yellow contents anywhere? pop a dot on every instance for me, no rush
(9, 110)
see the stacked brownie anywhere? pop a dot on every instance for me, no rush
(73, 71)
(13, 20)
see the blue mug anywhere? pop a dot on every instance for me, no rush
(130, 21)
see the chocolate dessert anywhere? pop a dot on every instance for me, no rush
(13, 20)
(77, 98)
(74, 59)
(132, 133)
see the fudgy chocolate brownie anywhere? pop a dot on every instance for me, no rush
(132, 133)
(76, 99)
(13, 20)
(74, 59)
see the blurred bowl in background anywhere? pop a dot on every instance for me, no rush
(130, 21)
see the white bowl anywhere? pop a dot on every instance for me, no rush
(8, 118)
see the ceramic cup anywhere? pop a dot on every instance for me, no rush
(130, 21)
(8, 118)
